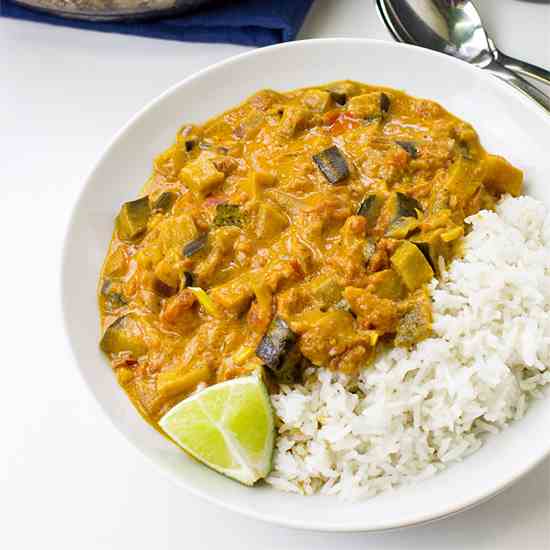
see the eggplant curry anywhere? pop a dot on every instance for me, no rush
(296, 229)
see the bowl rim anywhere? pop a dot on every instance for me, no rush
(421, 518)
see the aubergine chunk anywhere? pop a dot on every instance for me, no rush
(279, 351)
(332, 164)
(112, 295)
(124, 335)
(406, 206)
(385, 103)
(402, 215)
(416, 323)
(432, 246)
(402, 227)
(371, 105)
(290, 369)
(188, 279)
(340, 98)
(370, 209)
(410, 147)
(196, 245)
(325, 290)
(116, 263)
(502, 177)
(387, 284)
(133, 218)
(165, 201)
(190, 144)
(411, 265)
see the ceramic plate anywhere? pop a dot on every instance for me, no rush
(508, 124)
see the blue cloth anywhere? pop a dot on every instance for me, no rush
(246, 22)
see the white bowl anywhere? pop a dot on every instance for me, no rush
(508, 123)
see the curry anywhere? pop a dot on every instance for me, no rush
(296, 229)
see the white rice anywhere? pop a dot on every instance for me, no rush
(413, 412)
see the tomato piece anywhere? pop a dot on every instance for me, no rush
(343, 123)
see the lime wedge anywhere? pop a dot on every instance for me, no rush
(228, 426)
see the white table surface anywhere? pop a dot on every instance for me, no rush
(68, 480)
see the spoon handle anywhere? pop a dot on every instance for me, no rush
(524, 68)
(519, 83)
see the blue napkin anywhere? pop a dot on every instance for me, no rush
(246, 22)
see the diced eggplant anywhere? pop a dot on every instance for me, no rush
(425, 248)
(228, 214)
(416, 324)
(402, 227)
(279, 351)
(116, 263)
(290, 370)
(370, 209)
(401, 207)
(432, 246)
(124, 334)
(406, 206)
(464, 150)
(411, 265)
(503, 177)
(165, 201)
(133, 217)
(339, 97)
(325, 290)
(332, 164)
(385, 103)
(369, 106)
(387, 284)
(112, 295)
(196, 245)
(167, 270)
(464, 179)
(410, 147)
(188, 279)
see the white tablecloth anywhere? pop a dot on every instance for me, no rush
(67, 479)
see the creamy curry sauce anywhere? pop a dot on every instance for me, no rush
(298, 228)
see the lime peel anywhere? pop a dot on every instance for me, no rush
(228, 426)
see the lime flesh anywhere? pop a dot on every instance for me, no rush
(228, 426)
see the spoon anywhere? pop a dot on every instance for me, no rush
(454, 27)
